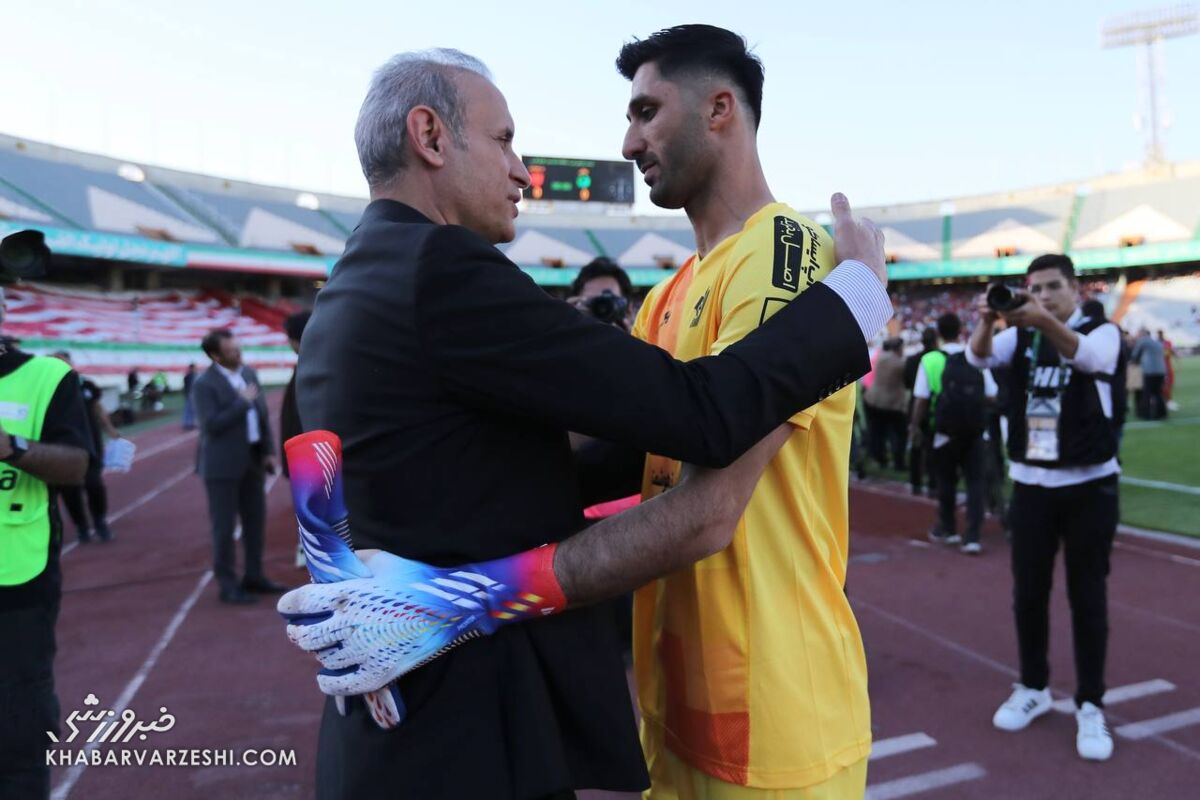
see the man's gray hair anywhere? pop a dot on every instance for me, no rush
(408, 80)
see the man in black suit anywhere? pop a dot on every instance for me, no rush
(452, 378)
(235, 452)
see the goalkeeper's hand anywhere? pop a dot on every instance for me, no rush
(366, 632)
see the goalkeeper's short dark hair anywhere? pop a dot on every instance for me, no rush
(698, 50)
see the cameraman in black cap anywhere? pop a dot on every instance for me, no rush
(602, 290)
(1067, 380)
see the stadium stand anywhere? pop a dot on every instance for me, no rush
(45, 185)
(1171, 305)
(163, 227)
(109, 333)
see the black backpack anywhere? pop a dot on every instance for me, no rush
(961, 409)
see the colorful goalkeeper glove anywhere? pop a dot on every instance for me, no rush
(368, 631)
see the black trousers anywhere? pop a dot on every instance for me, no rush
(1152, 405)
(229, 500)
(1084, 517)
(886, 433)
(965, 456)
(920, 463)
(28, 705)
(97, 500)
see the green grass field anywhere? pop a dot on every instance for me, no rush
(1167, 452)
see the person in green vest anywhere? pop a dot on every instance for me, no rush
(44, 444)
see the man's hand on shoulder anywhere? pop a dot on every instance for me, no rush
(857, 239)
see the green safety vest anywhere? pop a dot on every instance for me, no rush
(934, 363)
(25, 396)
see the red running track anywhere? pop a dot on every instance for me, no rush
(141, 628)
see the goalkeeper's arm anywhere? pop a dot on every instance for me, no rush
(690, 522)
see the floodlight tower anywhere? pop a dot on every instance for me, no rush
(1148, 29)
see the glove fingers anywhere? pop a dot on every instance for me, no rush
(350, 680)
(386, 707)
(337, 657)
(318, 636)
(313, 599)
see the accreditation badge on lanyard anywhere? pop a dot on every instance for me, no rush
(1041, 413)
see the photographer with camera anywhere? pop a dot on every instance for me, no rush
(602, 290)
(1068, 377)
(44, 444)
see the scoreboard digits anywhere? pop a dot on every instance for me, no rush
(579, 180)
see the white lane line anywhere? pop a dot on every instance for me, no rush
(967, 652)
(1181, 539)
(962, 650)
(1147, 423)
(1174, 558)
(162, 447)
(131, 688)
(899, 491)
(76, 772)
(1153, 727)
(1164, 485)
(924, 782)
(1122, 694)
(141, 501)
(900, 744)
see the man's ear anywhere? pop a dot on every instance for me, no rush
(427, 136)
(721, 109)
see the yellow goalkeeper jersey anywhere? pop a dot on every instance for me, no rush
(749, 664)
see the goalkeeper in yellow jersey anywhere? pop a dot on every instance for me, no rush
(750, 668)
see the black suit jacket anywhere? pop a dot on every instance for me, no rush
(224, 451)
(452, 378)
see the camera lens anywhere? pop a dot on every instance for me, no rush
(607, 307)
(1002, 298)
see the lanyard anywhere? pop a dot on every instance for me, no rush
(1035, 349)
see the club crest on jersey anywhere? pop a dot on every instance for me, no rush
(698, 309)
(793, 254)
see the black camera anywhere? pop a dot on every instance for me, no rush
(1002, 298)
(608, 307)
(23, 255)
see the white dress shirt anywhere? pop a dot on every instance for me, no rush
(238, 382)
(1098, 352)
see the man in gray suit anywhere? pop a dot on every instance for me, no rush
(235, 453)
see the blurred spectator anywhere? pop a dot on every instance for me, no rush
(99, 425)
(1148, 352)
(885, 402)
(955, 395)
(189, 410)
(1169, 383)
(920, 470)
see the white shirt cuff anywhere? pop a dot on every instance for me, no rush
(863, 294)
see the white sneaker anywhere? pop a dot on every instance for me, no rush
(1022, 707)
(972, 548)
(1093, 741)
